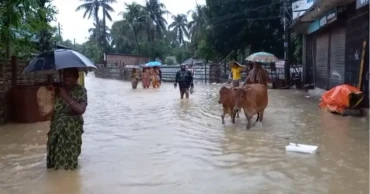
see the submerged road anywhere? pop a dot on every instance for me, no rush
(151, 142)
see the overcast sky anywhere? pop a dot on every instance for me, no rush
(73, 26)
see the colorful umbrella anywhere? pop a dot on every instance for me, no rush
(153, 64)
(262, 57)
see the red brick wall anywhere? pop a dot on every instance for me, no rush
(5, 84)
(119, 60)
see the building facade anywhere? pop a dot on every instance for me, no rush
(335, 43)
(125, 59)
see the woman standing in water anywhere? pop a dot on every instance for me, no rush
(66, 126)
(134, 78)
(146, 77)
(155, 77)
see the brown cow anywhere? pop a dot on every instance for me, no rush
(227, 99)
(253, 99)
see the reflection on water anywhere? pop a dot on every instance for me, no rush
(150, 141)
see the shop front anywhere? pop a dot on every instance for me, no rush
(325, 49)
(357, 46)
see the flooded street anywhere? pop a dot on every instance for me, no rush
(150, 142)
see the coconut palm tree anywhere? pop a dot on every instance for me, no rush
(198, 24)
(137, 18)
(92, 8)
(107, 9)
(179, 27)
(122, 37)
(99, 34)
(156, 12)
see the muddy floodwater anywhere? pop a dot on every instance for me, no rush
(151, 142)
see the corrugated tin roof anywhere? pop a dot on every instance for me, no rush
(193, 60)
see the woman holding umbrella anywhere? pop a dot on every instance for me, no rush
(66, 125)
(259, 75)
(149, 75)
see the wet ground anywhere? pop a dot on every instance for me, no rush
(151, 142)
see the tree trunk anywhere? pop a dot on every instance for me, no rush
(8, 45)
(137, 45)
(7, 27)
(104, 39)
(152, 44)
(97, 19)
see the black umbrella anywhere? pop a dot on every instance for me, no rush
(52, 61)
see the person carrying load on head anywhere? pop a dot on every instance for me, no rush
(236, 72)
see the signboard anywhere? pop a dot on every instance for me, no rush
(328, 18)
(299, 7)
(361, 3)
(325, 20)
(280, 64)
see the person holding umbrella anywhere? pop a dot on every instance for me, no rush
(259, 75)
(159, 72)
(185, 80)
(66, 125)
(146, 77)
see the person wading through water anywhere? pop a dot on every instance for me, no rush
(66, 125)
(257, 75)
(134, 78)
(236, 71)
(185, 80)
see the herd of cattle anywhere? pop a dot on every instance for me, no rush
(252, 98)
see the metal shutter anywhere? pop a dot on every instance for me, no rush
(308, 72)
(321, 62)
(337, 57)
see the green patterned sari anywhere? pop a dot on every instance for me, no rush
(65, 135)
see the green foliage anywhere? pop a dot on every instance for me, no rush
(237, 25)
(91, 50)
(205, 50)
(215, 29)
(170, 61)
(297, 46)
(181, 54)
(25, 28)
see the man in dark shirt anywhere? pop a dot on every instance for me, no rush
(185, 80)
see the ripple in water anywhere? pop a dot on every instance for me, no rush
(150, 141)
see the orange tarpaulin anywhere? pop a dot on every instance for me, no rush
(340, 98)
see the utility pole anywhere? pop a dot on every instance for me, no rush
(287, 41)
(74, 43)
(60, 36)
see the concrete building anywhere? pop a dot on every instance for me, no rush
(335, 42)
